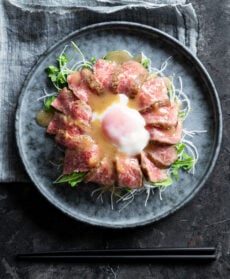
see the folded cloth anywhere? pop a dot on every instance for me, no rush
(28, 28)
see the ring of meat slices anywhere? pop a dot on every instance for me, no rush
(109, 110)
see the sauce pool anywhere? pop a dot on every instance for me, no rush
(43, 118)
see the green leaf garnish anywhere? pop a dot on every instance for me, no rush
(73, 179)
(127, 189)
(171, 93)
(52, 72)
(58, 74)
(164, 183)
(182, 114)
(180, 148)
(185, 162)
(47, 105)
(90, 63)
(93, 60)
(145, 62)
(63, 58)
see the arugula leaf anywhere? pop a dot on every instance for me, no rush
(180, 148)
(47, 105)
(73, 179)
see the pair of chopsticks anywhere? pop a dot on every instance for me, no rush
(169, 255)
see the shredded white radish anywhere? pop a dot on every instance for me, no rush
(148, 190)
(192, 133)
(46, 95)
(163, 67)
(57, 165)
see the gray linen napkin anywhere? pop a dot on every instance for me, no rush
(28, 28)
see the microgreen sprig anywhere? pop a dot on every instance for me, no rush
(73, 179)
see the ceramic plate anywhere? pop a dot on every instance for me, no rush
(40, 155)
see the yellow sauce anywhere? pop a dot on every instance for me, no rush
(99, 103)
(106, 147)
(43, 118)
(132, 103)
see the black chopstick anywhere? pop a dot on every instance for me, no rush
(125, 255)
(140, 251)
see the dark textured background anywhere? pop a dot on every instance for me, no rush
(29, 223)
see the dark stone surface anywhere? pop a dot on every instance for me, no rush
(29, 223)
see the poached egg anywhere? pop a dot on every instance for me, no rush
(123, 126)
